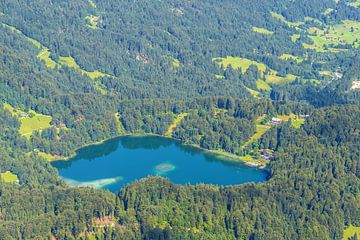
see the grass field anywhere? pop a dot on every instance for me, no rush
(282, 19)
(345, 33)
(291, 57)
(121, 129)
(261, 129)
(175, 63)
(35, 123)
(253, 92)
(93, 21)
(178, 118)
(350, 232)
(71, 63)
(31, 121)
(273, 79)
(356, 3)
(238, 62)
(295, 37)
(48, 156)
(262, 31)
(9, 177)
(219, 76)
(44, 56)
(262, 85)
(92, 3)
(296, 121)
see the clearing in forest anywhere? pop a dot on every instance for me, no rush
(9, 177)
(120, 126)
(44, 55)
(345, 33)
(31, 121)
(286, 57)
(262, 31)
(261, 129)
(355, 4)
(296, 121)
(269, 74)
(351, 231)
(283, 19)
(93, 21)
(177, 120)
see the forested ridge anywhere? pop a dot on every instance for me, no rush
(209, 73)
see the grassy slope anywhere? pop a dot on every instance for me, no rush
(262, 31)
(29, 124)
(176, 121)
(9, 177)
(350, 232)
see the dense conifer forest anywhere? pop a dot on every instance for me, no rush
(213, 74)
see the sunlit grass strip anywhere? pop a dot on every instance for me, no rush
(174, 124)
(9, 177)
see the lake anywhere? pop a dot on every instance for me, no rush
(119, 161)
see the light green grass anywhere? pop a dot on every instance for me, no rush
(354, 4)
(92, 3)
(48, 156)
(273, 79)
(175, 63)
(295, 37)
(296, 121)
(121, 129)
(35, 123)
(178, 118)
(9, 177)
(29, 124)
(253, 92)
(262, 31)
(345, 33)
(238, 62)
(350, 232)
(286, 57)
(328, 11)
(283, 19)
(219, 76)
(262, 85)
(44, 56)
(93, 21)
(261, 129)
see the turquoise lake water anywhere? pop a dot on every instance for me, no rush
(122, 160)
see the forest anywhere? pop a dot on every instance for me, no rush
(208, 73)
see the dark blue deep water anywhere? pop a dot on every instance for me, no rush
(122, 160)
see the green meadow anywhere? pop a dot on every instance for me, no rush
(345, 33)
(274, 79)
(354, 4)
(93, 21)
(351, 231)
(30, 122)
(262, 31)
(121, 129)
(283, 19)
(262, 85)
(261, 129)
(178, 118)
(9, 177)
(239, 63)
(291, 57)
(295, 37)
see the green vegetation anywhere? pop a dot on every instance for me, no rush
(239, 63)
(120, 126)
(31, 121)
(262, 31)
(262, 85)
(283, 19)
(350, 232)
(328, 11)
(261, 129)
(355, 3)
(273, 79)
(324, 40)
(92, 3)
(178, 118)
(9, 177)
(175, 63)
(291, 57)
(217, 76)
(295, 37)
(93, 21)
(44, 55)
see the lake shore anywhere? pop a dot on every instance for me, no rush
(226, 156)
